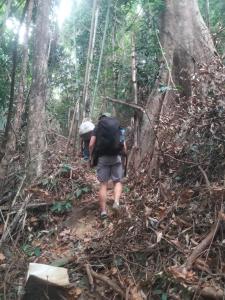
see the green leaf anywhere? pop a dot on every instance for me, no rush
(78, 193)
(44, 181)
(37, 251)
(164, 296)
(126, 189)
(65, 168)
(86, 189)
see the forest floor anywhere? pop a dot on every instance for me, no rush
(152, 249)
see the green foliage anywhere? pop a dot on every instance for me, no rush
(216, 21)
(31, 251)
(61, 207)
(126, 189)
(82, 190)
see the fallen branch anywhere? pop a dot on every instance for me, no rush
(108, 281)
(7, 197)
(204, 243)
(19, 189)
(132, 105)
(8, 229)
(205, 176)
(61, 262)
(29, 206)
(209, 292)
(90, 278)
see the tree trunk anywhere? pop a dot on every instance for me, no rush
(8, 143)
(86, 95)
(100, 58)
(19, 103)
(182, 48)
(135, 91)
(36, 139)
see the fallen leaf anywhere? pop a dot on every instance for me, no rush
(2, 257)
(182, 273)
(159, 236)
(114, 271)
(65, 232)
(135, 294)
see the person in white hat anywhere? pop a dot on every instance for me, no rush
(85, 132)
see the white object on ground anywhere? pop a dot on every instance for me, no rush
(55, 275)
(86, 127)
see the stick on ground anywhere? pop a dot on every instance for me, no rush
(108, 281)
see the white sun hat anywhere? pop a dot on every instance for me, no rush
(85, 127)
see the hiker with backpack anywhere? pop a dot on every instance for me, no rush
(85, 132)
(106, 146)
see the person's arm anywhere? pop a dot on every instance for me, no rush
(92, 144)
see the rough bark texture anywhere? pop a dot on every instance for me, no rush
(184, 41)
(36, 140)
(22, 83)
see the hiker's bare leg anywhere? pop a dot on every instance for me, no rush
(103, 196)
(117, 191)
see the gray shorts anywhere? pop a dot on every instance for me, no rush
(109, 167)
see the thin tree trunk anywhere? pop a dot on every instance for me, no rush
(22, 83)
(134, 81)
(36, 139)
(9, 135)
(100, 57)
(207, 13)
(74, 124)
(94, 22)
(71, 130)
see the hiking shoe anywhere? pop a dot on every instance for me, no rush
(116, 206)
(103, 215)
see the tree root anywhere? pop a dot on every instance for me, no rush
(205, 242)
(103, 278)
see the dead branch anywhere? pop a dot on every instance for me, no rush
(8, 230)
(135, 106)
(90, 278)
(209, 292)
(204, 243)
(205, 176)
(108, 281)
(29, 206)
(7, 197)
(61, 262)
(19, 189)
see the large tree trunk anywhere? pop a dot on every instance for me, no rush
(184, 41)
(36, 139)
